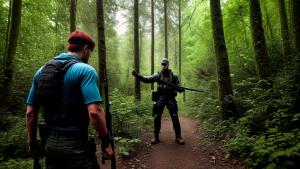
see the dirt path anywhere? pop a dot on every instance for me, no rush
(197, 153)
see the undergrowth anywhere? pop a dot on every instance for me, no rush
(266, 135)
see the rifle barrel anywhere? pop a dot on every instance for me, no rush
(175, 86)
(192, 89)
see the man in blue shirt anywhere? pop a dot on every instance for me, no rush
(67, 124)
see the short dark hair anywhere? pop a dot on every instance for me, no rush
(78, 39)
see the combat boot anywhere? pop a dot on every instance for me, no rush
(179, 140)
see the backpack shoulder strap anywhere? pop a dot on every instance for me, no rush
(69, 63)
(171, 76)
(161, 76)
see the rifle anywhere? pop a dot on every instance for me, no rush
(36, 160)
(108, 123)
(40, 146)
(179, 88)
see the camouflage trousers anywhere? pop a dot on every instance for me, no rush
(158, 109)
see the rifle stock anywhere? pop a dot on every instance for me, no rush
(108, 118)
(36, 163)
(38, 153)
(36, 159)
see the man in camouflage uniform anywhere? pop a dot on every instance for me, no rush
(168, 86)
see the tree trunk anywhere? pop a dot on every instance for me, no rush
(103, 73)
(284, 32)
(259, 42)
(7, 31)
(295, 5)
(11, 51)
(101, 45)
(228, 108)
(152, 41)
(296, 24)
(175, 54)
(179, 30)
(166, 28)
(137, 85)
(244, 28)
(269, 26)
(73, 16)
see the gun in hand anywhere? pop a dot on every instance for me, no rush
(36, 153)
(180, 88)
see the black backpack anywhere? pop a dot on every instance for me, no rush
(49, 85)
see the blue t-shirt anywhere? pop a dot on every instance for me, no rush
(80, 86)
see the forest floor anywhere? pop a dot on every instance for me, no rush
(198, 152)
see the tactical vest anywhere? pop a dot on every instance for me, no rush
(49, 94)
(164, 89)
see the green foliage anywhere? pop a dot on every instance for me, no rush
(126, 146)
(13, 141)
(267, 149)
(205, 107)
(129, 117)
(17, 163)
(267, 134)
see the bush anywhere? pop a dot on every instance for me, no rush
(126, 146)
(267, 135)
(13, 141)
(17, 163)
(129, 117)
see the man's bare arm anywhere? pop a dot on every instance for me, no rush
(97, 117)
(31, 123)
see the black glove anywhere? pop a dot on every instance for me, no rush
(105, 140)
(180, 89)
(134, 73)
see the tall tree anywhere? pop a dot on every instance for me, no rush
(11, 51)
(179, 30)
(296, 23)
(284, 31)
(7, 30)
(244, 26)
(102, 68)
(259, 42)
(101, 44)
(137, 86)
(73, 15)
(228, 108)
(152, 41)
(166, 27)
(295, 4)
(268, 26)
